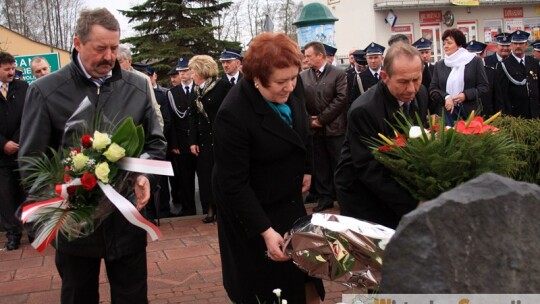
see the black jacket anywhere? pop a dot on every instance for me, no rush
(10, 120)
(475, 83)
(50, 103)
(364, 187)
(179, 105)
(519, 100)
(200, 126)
(259, 167)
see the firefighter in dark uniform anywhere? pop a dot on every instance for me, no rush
(487, 99)
(374, 57)
(330, 53)
(517, 79)
(180, 98)
(424, 47)
(503, 50)
(354, 83)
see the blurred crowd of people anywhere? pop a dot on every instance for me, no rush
(277, 124)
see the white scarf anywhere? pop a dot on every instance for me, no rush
(457, 61)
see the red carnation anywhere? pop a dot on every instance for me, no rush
(67, 178)
(86, 141)
(88, 181)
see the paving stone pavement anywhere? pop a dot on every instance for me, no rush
(183, 267)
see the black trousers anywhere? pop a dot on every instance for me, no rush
(326, 152)
(183, 182)
(80, 279)
(11, 197)
(205, 164)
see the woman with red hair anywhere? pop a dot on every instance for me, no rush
(262, 151)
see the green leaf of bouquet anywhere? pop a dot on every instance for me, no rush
(140, 135)
(126, 136)
(44, 171)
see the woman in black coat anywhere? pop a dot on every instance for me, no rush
(209, 94)
(459, 79)
(262, 167)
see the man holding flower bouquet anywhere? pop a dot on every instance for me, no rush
(365, 188)
(51, 102)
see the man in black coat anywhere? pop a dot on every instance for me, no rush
(231, 60)
(184, 162)
(11, 108)
(518, 92)
(365, 189)
(50, 103)
(374, 57)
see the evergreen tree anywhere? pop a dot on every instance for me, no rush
(172, 29)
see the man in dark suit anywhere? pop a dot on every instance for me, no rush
(365, 189)
(374, 57)
(487, 99)
(424, 47)
(184, 162)
(503, 50)
(11, 107)
(326, 100)
(231, 59)
(518, 92)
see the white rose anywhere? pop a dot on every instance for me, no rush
(101, 140)
(114, 152)
(415, 132)
(79, 161)
(102, 172)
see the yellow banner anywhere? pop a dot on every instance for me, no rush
(465, 2)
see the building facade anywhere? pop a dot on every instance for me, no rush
(361, 22)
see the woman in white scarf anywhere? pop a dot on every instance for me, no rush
(460, 75)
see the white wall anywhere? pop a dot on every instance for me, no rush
(359, 24)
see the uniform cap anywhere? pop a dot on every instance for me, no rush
(330, 50)
(519, 36)
(231, 54)
(474, 46)
(182, 64)
(422, 44)
(374, 49)
(503, 38)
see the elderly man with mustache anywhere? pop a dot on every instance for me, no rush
(94, 73)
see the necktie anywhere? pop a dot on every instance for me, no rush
(187, 90)
(232, 80)
(4, 89)
(317, 73)
(376, 75)
(405, 108)
(98, 81)
(522, 62)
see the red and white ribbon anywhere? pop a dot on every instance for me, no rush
(129, 211)
(32, 211)
(146, 166)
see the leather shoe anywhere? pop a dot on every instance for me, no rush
(311, 198)
(13, 242)
(323, 205)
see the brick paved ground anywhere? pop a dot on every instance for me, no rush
(183, 267)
